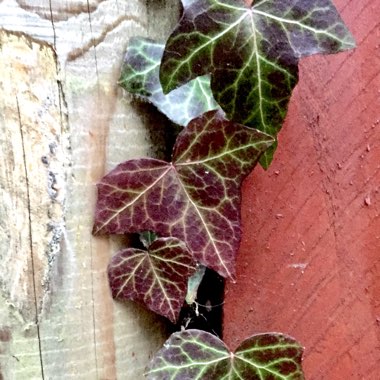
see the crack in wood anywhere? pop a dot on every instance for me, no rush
(30, 231)
(53, 26)
(92, 42)
(94, 45)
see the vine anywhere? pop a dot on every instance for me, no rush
(226, 74)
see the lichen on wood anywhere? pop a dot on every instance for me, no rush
(32, 171)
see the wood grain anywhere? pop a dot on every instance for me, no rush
(59, 10)
(309, 262)
(68, 326)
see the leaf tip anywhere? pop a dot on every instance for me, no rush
(231, 276)
(95, 230)
(166, 85)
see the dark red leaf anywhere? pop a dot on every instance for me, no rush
(196, 198)
(156, 277)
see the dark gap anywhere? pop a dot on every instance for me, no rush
(207, 312)
(162, 132)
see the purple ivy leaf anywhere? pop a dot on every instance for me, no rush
(252, 53)
(195, 198)
(156, 277)
(196, 355)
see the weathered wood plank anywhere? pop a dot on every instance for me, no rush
(31, 178)
(61, 322)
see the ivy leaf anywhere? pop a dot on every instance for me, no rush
(140, 76)
(147, 238)
(195, 198)
(252, 53)
(186, 3)
(196, 355)
(194, 283)
(156, 277)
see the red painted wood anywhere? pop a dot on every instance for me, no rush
(309, 262)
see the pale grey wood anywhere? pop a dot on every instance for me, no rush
(64, 122)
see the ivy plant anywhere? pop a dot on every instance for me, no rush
(195, 355)
(252, 53)
(195, 198)
(226, 74)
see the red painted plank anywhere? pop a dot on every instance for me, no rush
(309, 262)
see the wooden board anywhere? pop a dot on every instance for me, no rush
(63, 123)
(309, 262)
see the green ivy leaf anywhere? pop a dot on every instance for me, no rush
(194, 283)
(156, 277)
(196, 355)
(195, 198)
(252, 53)
(147, 238)
(140, 76)
(186, 3)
